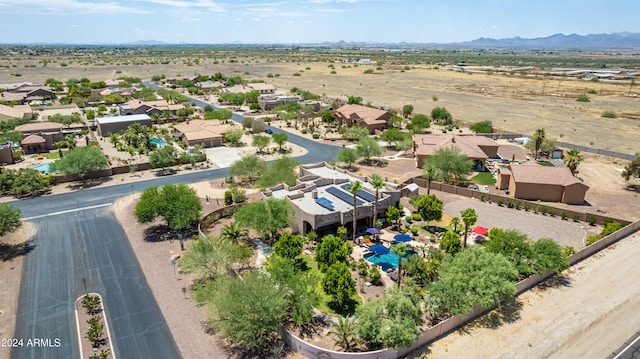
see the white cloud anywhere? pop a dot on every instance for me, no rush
(65, 6)
(189, 19)
(255, 19)
(238, 19)
(206, 4)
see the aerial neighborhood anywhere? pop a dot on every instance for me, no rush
(333, 205)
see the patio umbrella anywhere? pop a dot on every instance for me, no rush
(480, 230)
(379, 249)
(402, 237)
(373, 231)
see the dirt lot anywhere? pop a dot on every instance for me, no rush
(513, 103)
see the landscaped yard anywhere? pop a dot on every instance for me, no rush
(484, 178)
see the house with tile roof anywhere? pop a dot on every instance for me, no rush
(370, 118)
(18, 111)
(477, 148)
(139, 107)
(531, 181)
(201, 132)
(322, 203)
(40, 136)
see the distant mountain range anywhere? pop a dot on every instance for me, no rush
(613, 41)
(619, 40)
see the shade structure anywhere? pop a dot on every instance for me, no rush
(379, 249)
(373, 231)
(480, 230)
(402, 237)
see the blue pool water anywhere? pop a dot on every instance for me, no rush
(158, 142)
(43, 167)
(386, 261)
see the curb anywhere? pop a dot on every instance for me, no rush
(106, 324)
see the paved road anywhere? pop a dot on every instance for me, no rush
(87, 244)
(629, 350)
(79, 237)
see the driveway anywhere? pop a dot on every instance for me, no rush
(222, 156)
(536, 226)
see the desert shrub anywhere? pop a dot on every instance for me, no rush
(228, 198)
(591, 220)
(416, 217)
(316, 136)
(583, 98)
(592, 91)
(609, 114)
(576, 217)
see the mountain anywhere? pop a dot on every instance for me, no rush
(147, 42)
(619, 41)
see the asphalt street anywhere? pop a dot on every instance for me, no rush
(78, 237)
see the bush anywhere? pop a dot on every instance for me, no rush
(500, 202)
(609, 114)
(591, 220)
(409, 219)
(583, 98)
(563, 215)
(416, 217)
(415, 230)
(228, 198)
(316, 136)
(576, 217)
(592, 91)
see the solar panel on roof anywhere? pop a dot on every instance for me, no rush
(361, 193)
(343, 196)
(325, 203)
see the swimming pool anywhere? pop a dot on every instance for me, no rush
(43, 167)
(386, 261)
(158, 142)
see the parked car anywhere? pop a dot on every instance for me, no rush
(268, 130)
(474, 187)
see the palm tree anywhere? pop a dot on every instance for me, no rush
(538, 137)
(429, 172)
(345, 332)
(572, 159)
(469, 217)
(59, 146)
(233, 232)
(71, 140)
(377, 183)
(353, 189)
(400, 249)
(455, 221)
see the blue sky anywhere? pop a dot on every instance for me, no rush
(308, 21)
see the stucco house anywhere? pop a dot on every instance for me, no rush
(201, 132)
(531, 181)
(477, 148)
(269, 102)
(17, 111)
(322, 203)
(368, 117)
(110, 125)
(138, 107)
(40, 136)
(6, 154)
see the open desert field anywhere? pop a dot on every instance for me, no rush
(514, 103)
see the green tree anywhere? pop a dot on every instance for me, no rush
(393, 135)
(538, 138)
(288, 246)
(298, 285)
(249, 166)
(331, 250)
(233, 136)
(80, 161)
(338, 283)
(377, 183)
(348, 156)
(260, 142)
(354, 100)
(178, 205)
(473, 278)
(482, 127)
(429, 207)
(248, 311)
(572, 159)
(450, 165)
(212, 257)
(280, 139)
(233, 232)
(394, 214)
(400, 249)
(429, 174)
(354, 133)
(455, 222)
(419, 123)
(441, 115)
(163, 157)
(368, 147)
(267, 217)
(407, 110)
(66, 120)
(24, 182)
(353, 189)
(10, 218)
(279, 171)
(549, 256)
(222, 115)
(516, 247)
(632, 169)
(450, 242)
(345, 333)
(469, 218)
